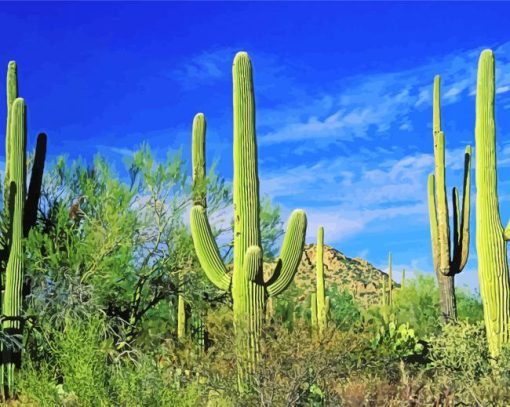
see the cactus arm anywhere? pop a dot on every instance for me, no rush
(456, 232)
(442, 206)
(198, 160)
(34, 189)
(12, 94)
(466, 206)
(436, 107)
(291, 252)
(252, 264)
(506, 233)
(434, 238)
(456, 216)
(207, 250)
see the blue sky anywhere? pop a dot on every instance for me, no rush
(343, 94)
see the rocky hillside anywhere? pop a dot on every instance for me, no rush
(358, 276)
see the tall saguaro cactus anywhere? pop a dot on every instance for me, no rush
(19, 215)
(246, 283)
(199, 197)
(491, 238)
(14, 272)
(449, 256)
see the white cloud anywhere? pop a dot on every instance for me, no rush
(358, 105)
(205, 66)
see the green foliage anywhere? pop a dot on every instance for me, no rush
(460, 351)
(345, 313)
(469, 305)
(418, 304)
(399, 341)
(86, 371)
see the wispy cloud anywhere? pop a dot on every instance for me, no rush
(362, 106)
(205, 66)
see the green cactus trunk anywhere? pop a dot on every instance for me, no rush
(198, 333)
(321, 297)
(270, 310)
(246, 284)
(313, 315)
(403, 280)
(19, 215)
(490, 237)
(12, 301)
(384, 297)
(449, 256)
(390, 281)
(181, 318)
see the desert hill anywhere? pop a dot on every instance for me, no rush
(358, 276)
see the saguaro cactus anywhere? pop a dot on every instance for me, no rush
(14, 272)
(181, 318)
(447, 267)
(321, 306)
(199, 197)
(313, 309)
(19, 215)
(246, 283)
(384, 294)
(491, 238)
(390, 280)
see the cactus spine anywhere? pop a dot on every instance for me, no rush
(445, 266)
(490, 237)
(19, 215)
(246, 284)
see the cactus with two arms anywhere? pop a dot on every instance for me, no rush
(246, 284)
(449, 255)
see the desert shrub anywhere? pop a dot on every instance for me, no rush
(344, 312)
(418, 305)
(37, 384)
(460, 351)
(469, 305)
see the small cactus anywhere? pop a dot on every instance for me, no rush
(390, 281)
(320, 303)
